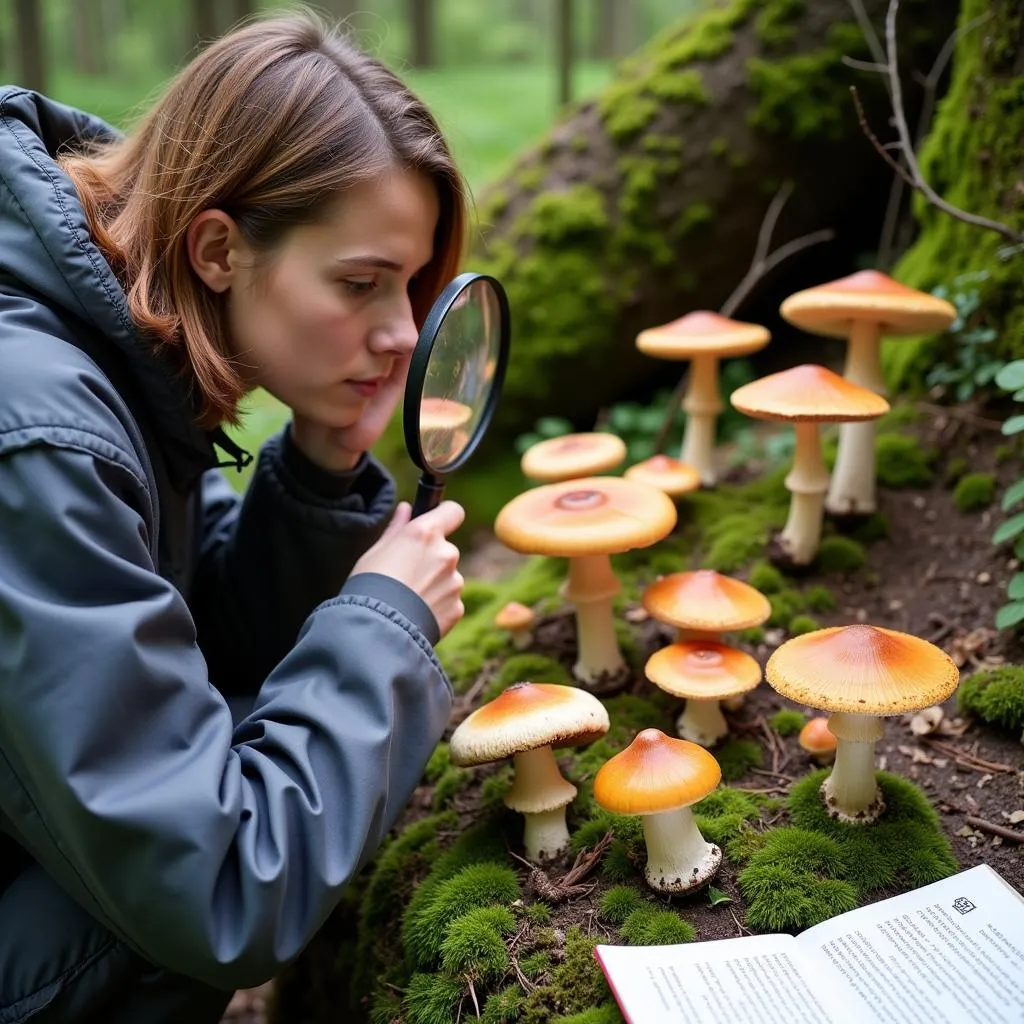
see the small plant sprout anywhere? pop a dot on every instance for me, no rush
(704, 604)
(572, 456)
(704, 338)
(704, 674)
(806, 396)
(670, 475)
(818, 741)
(586, 521)
(863, 308)
(860, 674)
(525, 722)
(518, 619)
(658, 778)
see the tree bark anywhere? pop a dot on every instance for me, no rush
(87, 22)
(422, 14)
(204, 21)
(564, 50)
(646, 203)
(29, 42)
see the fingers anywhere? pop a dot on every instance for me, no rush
(449, 516)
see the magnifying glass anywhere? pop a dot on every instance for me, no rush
(455, 378)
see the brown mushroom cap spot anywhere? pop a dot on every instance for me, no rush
(588, 516)
(526, 716)
(808, 393)
(868, 296)
(702, 670)
(583, 454)
(667, 474)
(443, 414)
(816, 737)
(514, 615)
(702, 333)
(707, 601)
(863, 670)
(656, 773)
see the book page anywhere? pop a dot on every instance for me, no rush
(755, 980)
(948, 953)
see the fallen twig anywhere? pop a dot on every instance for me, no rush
(997, 830)
(567, 886)
(965, 758)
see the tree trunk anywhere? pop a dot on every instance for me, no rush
(564, 51)
(614, 28)
(647, 202)
(204, 21)
(240, 9)
(87, 23)
(29, 44)
(421, 21)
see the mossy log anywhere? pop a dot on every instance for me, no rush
(646, 202)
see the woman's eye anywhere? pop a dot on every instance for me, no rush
(360, 287)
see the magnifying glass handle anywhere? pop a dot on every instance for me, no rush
(428, 494)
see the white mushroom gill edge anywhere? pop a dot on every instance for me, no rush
(591, 585)
(850, 791)
(852, 488)
(679, 858)
(807, 482)
(702, 405)
(702, 722)
(540, 793)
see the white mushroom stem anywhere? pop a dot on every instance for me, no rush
(540, 793)
(590, 587)
(702, 722)
(522, 637)
(852, 489)
(679, 858)
(702, 404)
(850, 792)
(807, 482)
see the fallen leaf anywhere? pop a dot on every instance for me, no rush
(940, 762)
(1015, 818)
(926, 721)
(637, 614)
(716, 896)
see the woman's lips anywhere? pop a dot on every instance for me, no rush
(366, 388)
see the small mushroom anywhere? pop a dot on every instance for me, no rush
(863, 308)
(670, 475)
(704, 604)
(658, 778)
(818, 741)
(704, 338)
(587, 520)
(704, 673)
(860, 674)
(571, 456)
(525, 722)
(518, 619)
(806, 396)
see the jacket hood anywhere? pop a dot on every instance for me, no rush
(46, 248)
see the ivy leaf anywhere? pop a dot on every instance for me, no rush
(716, 896)
(1014, 493)
(1010, 615)
(1011, 376)
(1015, 590)
(1011, 528)
(1014, 425)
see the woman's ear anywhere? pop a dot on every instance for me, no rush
(214, 244)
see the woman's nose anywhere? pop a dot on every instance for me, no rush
(399, 334)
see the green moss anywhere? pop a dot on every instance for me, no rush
(737, 757)
(453, 781)
(780, 899)
(474, 945)
(721, 815)
(648, 926)
(752, 636)
(718, 146)
(440, 761)
(529, 179)
(840, 554)
(956, 468)
(534, 668)
(819, 599)
(535, 964)
(606, 1013)
(577, 984)
(775, 24)
(800, 624)
(995, 696)
(974, 491)
(538, 913)
(477, 593)
(900, 461)
(873, 527)
(766, 578)
(431, 999)
(503, 1006)
(785, 604)
(617, 903)
(787, 722)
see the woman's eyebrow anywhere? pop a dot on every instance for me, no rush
(369, 261)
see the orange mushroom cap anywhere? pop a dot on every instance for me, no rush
(514, 615)
(526, 716)
(702, 333)
(816, 737)
(670, 475)
(862, 669)
(809, 393)
(706, 600)
(702, 670)
(443, 414)
(656, 773)
(589, 516)
(572, 455)
(869, 295)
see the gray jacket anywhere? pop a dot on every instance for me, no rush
(137, 591)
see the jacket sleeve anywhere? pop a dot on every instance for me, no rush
(269, 558)
(214, 854)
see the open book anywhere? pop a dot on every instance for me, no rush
(948, 953)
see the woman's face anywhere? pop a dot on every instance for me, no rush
(328, 323)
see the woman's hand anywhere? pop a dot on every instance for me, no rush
(415, 552)
(339, 448)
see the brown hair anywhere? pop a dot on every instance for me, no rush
(270, 124)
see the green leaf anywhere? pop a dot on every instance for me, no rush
(1015, 588)
(1014, 493)
(1018, 396)
(1010, 529)
(716, 896)
(552, 426)
(1014, 425)
(1011, 376)
(1010, 615)
(1018, 548)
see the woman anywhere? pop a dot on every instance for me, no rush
(283, 217)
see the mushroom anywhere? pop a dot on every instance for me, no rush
(524, 722)
(704, 673)
(658, 778)
(704, 338)
(863, 308)
(571, 456)
(670, 475)
(518, 620)
(818, 741)
(704, 604)
(860, 674)
(587, 520)
(806, 396)
(443, 432)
